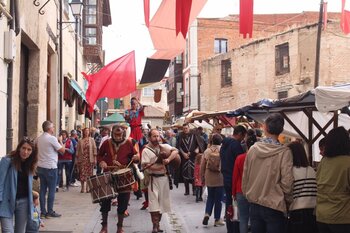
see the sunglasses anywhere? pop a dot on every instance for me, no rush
(28, 140)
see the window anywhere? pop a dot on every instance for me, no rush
(282, 94)
(90, 12)
(282, 59)
(90, 35)
(147, 91)
(220, 45)
(178, 59)
(226, 74)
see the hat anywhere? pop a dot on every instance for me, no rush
(73, 131)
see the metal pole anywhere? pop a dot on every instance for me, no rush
(76, 48)
(318, 45)
(60, 64)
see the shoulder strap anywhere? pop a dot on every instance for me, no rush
(114, 155)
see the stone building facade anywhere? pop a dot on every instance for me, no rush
(209, 37)
(278, 66)
(36, 95)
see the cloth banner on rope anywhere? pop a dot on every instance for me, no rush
(345, 17)
(246, 18)
(154, 71)
(183, 10)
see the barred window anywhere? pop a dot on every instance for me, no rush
(282, 59)
(226, 74)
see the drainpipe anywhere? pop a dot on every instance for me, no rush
(14, 24)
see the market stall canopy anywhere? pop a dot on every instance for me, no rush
(219, 116)
(332, 98)
(112, 119)
(301, 118)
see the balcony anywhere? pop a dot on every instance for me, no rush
(93, 54)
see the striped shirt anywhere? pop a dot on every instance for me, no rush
(304, 188)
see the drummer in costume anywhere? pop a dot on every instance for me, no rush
(134, 116)
(155, 157)
(189, 145)
(115, 154)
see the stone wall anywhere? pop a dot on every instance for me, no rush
(253, 68)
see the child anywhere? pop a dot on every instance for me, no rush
(34, 224)
(198, 185)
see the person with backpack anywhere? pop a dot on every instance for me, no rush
(213, 179)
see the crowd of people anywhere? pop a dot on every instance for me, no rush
(270, 184)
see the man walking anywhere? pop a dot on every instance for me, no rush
(268, 179)
(48, 147)
(230, 149)
(154, 161)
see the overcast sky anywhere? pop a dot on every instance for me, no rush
(128, 31)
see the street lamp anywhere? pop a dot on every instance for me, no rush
(76, 7)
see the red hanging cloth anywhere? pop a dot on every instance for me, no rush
(246, 18)
(345, 17)
(183, 10)
(146, 11)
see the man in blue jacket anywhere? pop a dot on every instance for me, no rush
(230, 149)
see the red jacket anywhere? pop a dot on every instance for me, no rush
(67, 155)
(238, 174)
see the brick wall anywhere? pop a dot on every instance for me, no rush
(253, 68)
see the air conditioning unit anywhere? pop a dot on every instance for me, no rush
(10, 45)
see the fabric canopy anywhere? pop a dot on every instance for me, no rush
(154, 70)
(332, 98)
(301, 111)
(114, 118)
(163, 29)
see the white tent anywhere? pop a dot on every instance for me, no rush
(332, 98)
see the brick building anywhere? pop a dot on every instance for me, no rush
(209, 37)
(278, 66)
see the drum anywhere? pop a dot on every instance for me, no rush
(122, 179)
(100, 187)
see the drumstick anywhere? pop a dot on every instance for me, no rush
(129, 163)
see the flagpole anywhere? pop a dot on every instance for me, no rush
(318, 45)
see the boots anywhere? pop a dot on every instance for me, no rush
(159, 219)
(104, 223)
(187, 188)
(155, 221)
(120, 223)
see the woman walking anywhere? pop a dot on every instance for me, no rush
(86, 157)
(213, 179)
(16, 179)
(301, 210)
(333, 184)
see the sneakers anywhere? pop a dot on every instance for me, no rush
(53, 215)
(205, 220)
(74, 184)
(218, 223)
(42, 215)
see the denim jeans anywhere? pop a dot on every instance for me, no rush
(67, 164)
(48, 181)
(243, 209)
(264, 219)
(333, 228)
(21, 218)
(214, 198)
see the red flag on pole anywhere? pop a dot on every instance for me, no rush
(246, 18)
(115, 80)
(146, 11)
(345, 17)
(183, 10)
